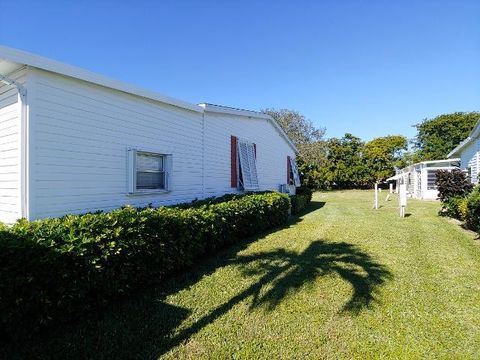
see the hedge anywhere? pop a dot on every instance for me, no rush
(301, 200)
(53, 270)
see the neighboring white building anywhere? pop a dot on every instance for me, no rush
(420, 178)
(469, 153)
(72, 141)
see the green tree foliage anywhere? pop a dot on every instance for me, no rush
(351, 163)
(304, 134)
(345, 166)
(384, 154)
(348, 162)
(438, 136)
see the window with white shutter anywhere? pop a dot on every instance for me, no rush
(147, 171)
(247, 164)
(295, 176)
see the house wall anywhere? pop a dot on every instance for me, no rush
(80, 134)
(10, 151)
(271, 149)
(470, 158)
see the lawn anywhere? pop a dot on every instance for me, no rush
(341, 281)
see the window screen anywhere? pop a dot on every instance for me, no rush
(431, 178)
(150, 171)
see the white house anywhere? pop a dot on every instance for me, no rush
(420, 178)
(469, 153)
(72, 141)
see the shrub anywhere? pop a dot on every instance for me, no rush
(472, 216)
(303, 190)
(452, 184)
(454, 207)
(56, 269)
(301, 199)
(463, 208)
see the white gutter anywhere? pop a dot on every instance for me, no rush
(22, 102)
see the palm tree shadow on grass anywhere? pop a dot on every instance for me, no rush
(284, 272)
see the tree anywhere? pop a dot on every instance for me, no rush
(351, 163)
(304, 134)
(438, 136)
(384, 154)
(345, 166)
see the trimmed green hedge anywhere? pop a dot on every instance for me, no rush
(301, 200)
(56, 269)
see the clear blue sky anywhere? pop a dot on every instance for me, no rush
(371, 68)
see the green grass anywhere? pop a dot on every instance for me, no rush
(342, 281)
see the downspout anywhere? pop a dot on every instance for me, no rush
(22, 102)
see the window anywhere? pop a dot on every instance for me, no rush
(431, 178)
(247, 166)
(147, 171)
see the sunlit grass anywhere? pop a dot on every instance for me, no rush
(343, 281)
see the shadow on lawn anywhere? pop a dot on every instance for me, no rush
(147, 327)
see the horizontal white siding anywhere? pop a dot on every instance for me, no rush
(470, 159)
(80, 137)
(272, 151)
(10, 152)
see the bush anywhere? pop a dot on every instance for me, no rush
(56, 269)
(463, 208)
(452, 184)
(454, 207)
(301, 199)
(472, 216)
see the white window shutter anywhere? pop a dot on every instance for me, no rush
(296, 176)
(248, 165)
(132, 170)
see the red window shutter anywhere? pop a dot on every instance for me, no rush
(233, 161)
(289, 170)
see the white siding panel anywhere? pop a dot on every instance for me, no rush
(272, 151)
(469, 159)
(81, 135)
(10, 152)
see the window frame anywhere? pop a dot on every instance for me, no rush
(133, 172)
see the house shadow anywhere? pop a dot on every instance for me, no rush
(146, 326)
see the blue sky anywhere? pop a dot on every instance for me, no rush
(371, 68)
